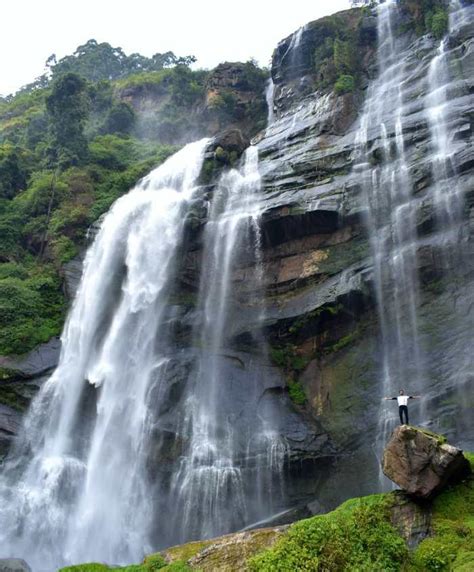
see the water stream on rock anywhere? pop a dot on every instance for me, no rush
(269, 93)
(387, 188)
(446, 124)
(211, 489)
(92, 477)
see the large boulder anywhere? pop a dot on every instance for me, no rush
(421, 462)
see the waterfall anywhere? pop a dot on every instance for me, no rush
(213, 488)
(387, 189)
(448, 189)
(92, 477)
(448, 197)
(269, 93)
(82, 492)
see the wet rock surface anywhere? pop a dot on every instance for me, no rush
(227, 553)
(422, 463)
(14, 565)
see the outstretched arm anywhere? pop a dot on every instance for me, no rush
(389, 398)
(415, 397)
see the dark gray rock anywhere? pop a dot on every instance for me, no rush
(40, 360)
(14, 565)
(10, 423)
(72, 271)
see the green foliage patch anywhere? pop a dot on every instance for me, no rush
(426, 16)
(152, 563)
(356, 536)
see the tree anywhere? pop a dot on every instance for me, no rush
(13, 171)
(68, 108)
(120, 118)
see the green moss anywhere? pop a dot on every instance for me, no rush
(357, 536)
(91, 567)
(345, 341)
(323, 311)
(186, 551)
(452, 544)
(441, 439)
(152, 563)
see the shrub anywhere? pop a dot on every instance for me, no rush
(344, 84)
(296, 393)
(440, 23)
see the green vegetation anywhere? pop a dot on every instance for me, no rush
(426, 16)
(356, 536)
(452, 545)
(72, 142)
(296, 393)
(359, 535)
(287, 358)
(67, 152)
(344, 84)
(31, 305)
(151, 563)
(341, 50)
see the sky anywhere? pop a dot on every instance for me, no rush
(212, 30)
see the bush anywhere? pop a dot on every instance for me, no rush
(344, 84)
(440, 23)
(296, 393)
(31, 307)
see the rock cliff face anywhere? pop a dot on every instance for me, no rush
(319, 263)
(233, 95)
(321, 302)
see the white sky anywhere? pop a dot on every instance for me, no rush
(212, 30)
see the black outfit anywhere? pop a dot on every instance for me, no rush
(403, 409)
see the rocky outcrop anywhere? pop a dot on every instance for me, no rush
(20, 379)
(422, 463)
(10, 422)
(226, 553)
(413, 520)
(14, 565)
(229, 96)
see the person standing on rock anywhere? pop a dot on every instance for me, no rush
(403, 404)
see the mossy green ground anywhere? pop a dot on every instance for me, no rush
(357, 536)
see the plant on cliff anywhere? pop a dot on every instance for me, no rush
(426, 16)
(342, 44)
(344, 84)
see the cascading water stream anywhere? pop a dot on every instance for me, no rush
(212, 485)
(448, 197)
(387, 188)
(76, 488)
(269, 94)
